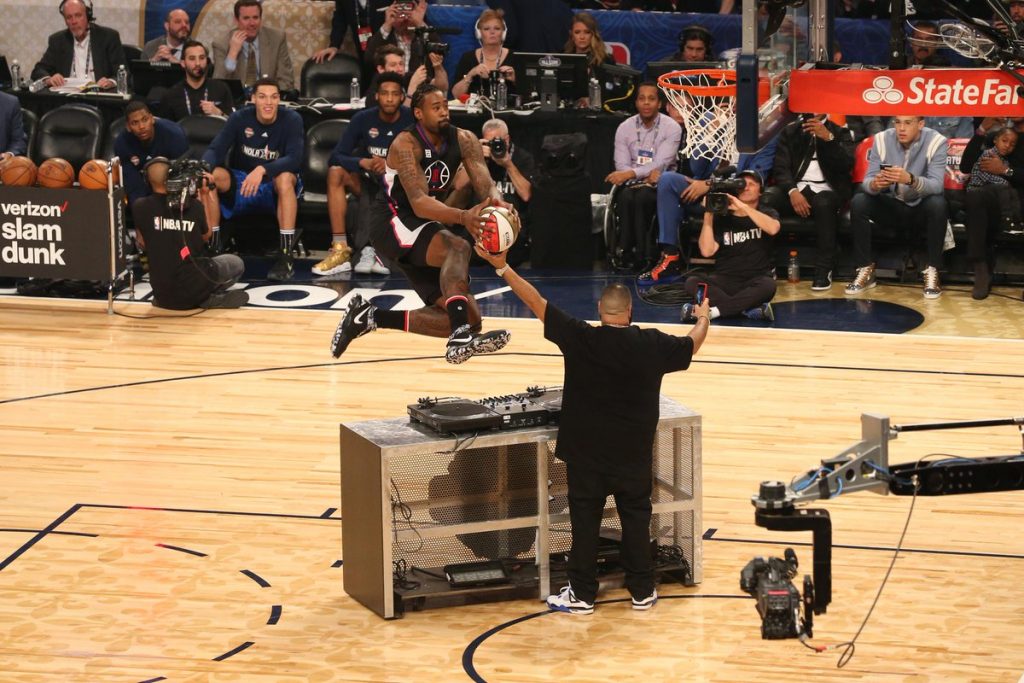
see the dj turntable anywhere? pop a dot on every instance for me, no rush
(536, 407)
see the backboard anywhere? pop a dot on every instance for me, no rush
(778, 36)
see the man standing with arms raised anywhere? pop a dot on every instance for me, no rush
(606, 428)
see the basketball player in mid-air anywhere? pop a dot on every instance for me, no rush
(409, 228)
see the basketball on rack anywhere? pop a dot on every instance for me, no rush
(505, 224)
(18, 172)
(56, 173)
(93, 175)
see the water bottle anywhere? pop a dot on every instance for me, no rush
(501, 98)
(353, 91)
(793, 268)
(122, 81)
(594, 94)
(15, 75)
(37, 84)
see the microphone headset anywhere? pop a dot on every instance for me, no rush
(696, 32)
(88, 9)
(479, 35)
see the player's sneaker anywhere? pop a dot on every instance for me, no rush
(337, 260)
(463, 344)
(647, 603)
(283, 270)
(369, 264)
(566, 601)
(357, 322)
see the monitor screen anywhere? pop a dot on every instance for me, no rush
(569, 70)
(618, 85)
(656, 69)
(147, 75)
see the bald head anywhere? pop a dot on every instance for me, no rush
(616, 304)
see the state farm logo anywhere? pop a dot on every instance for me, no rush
(932, 91)
(882, 91)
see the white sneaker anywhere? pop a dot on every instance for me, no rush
(369, 264)
(566, 601)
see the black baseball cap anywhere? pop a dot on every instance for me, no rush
(756, 175)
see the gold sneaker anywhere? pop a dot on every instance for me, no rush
(337, 260)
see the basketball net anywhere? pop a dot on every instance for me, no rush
(706, 99)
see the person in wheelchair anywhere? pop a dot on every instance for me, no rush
(645, 147)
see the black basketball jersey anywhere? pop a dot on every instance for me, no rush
(438, 164)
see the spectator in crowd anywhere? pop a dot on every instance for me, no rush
(512, 169)
(475, 66)
(267, 146)
(903, 186)
(585, 39)
(196, 94)
(613, 375)
(172, 238)
(84, 50)
(357, 165)
(252, 51)
(1015, 8)
(397, 30)
(361, 17)
(168, 47)
(993, 198)
(812, 170)
(924, 43)
(145, 137)
(13, 139)
(645, 147)
(694, 45)
(391, 59)
(740, 241)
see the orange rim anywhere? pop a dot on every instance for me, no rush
(726, 90)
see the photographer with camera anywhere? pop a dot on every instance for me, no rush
(511, 169)
(737, 231)
(424, 54)
(171, 226)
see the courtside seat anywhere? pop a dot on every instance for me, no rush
(31, 124)
(200, 130)
(321, 139)
(115, 128)
(331, 80)
(71, 131)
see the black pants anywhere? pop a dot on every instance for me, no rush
(825, 214)
(989, 209)
(587, 493)
(883, 209)
(733, 295)
(635, 207)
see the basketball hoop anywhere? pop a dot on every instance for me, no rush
(706, 99)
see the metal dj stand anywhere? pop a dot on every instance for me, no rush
(416, 503)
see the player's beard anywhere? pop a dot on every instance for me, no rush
(443, 125)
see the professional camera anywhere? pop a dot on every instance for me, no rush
(499, 148)
(422, 46)
(769, 581)
(185, 177)
(719, 187)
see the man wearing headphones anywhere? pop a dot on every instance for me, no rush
(172, 237)
(84, 50)
(694, 45)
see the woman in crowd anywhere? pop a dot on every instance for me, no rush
(585, 39)
(475, 66)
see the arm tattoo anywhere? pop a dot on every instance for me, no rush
(402, 157)
(473, 160)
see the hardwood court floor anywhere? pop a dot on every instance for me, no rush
(187, 473)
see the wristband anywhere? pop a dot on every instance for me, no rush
(500, 272)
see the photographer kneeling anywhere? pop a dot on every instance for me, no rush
(738, 232)
(170, 226)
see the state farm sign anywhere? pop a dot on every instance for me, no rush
(930, 92)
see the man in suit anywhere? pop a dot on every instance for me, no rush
(253, 50)
(167, 48)
(83, 50)
(361, 17)
(13, 140)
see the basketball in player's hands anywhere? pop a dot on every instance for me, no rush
(503, 228)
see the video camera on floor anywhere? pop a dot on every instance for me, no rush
(769, 581)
